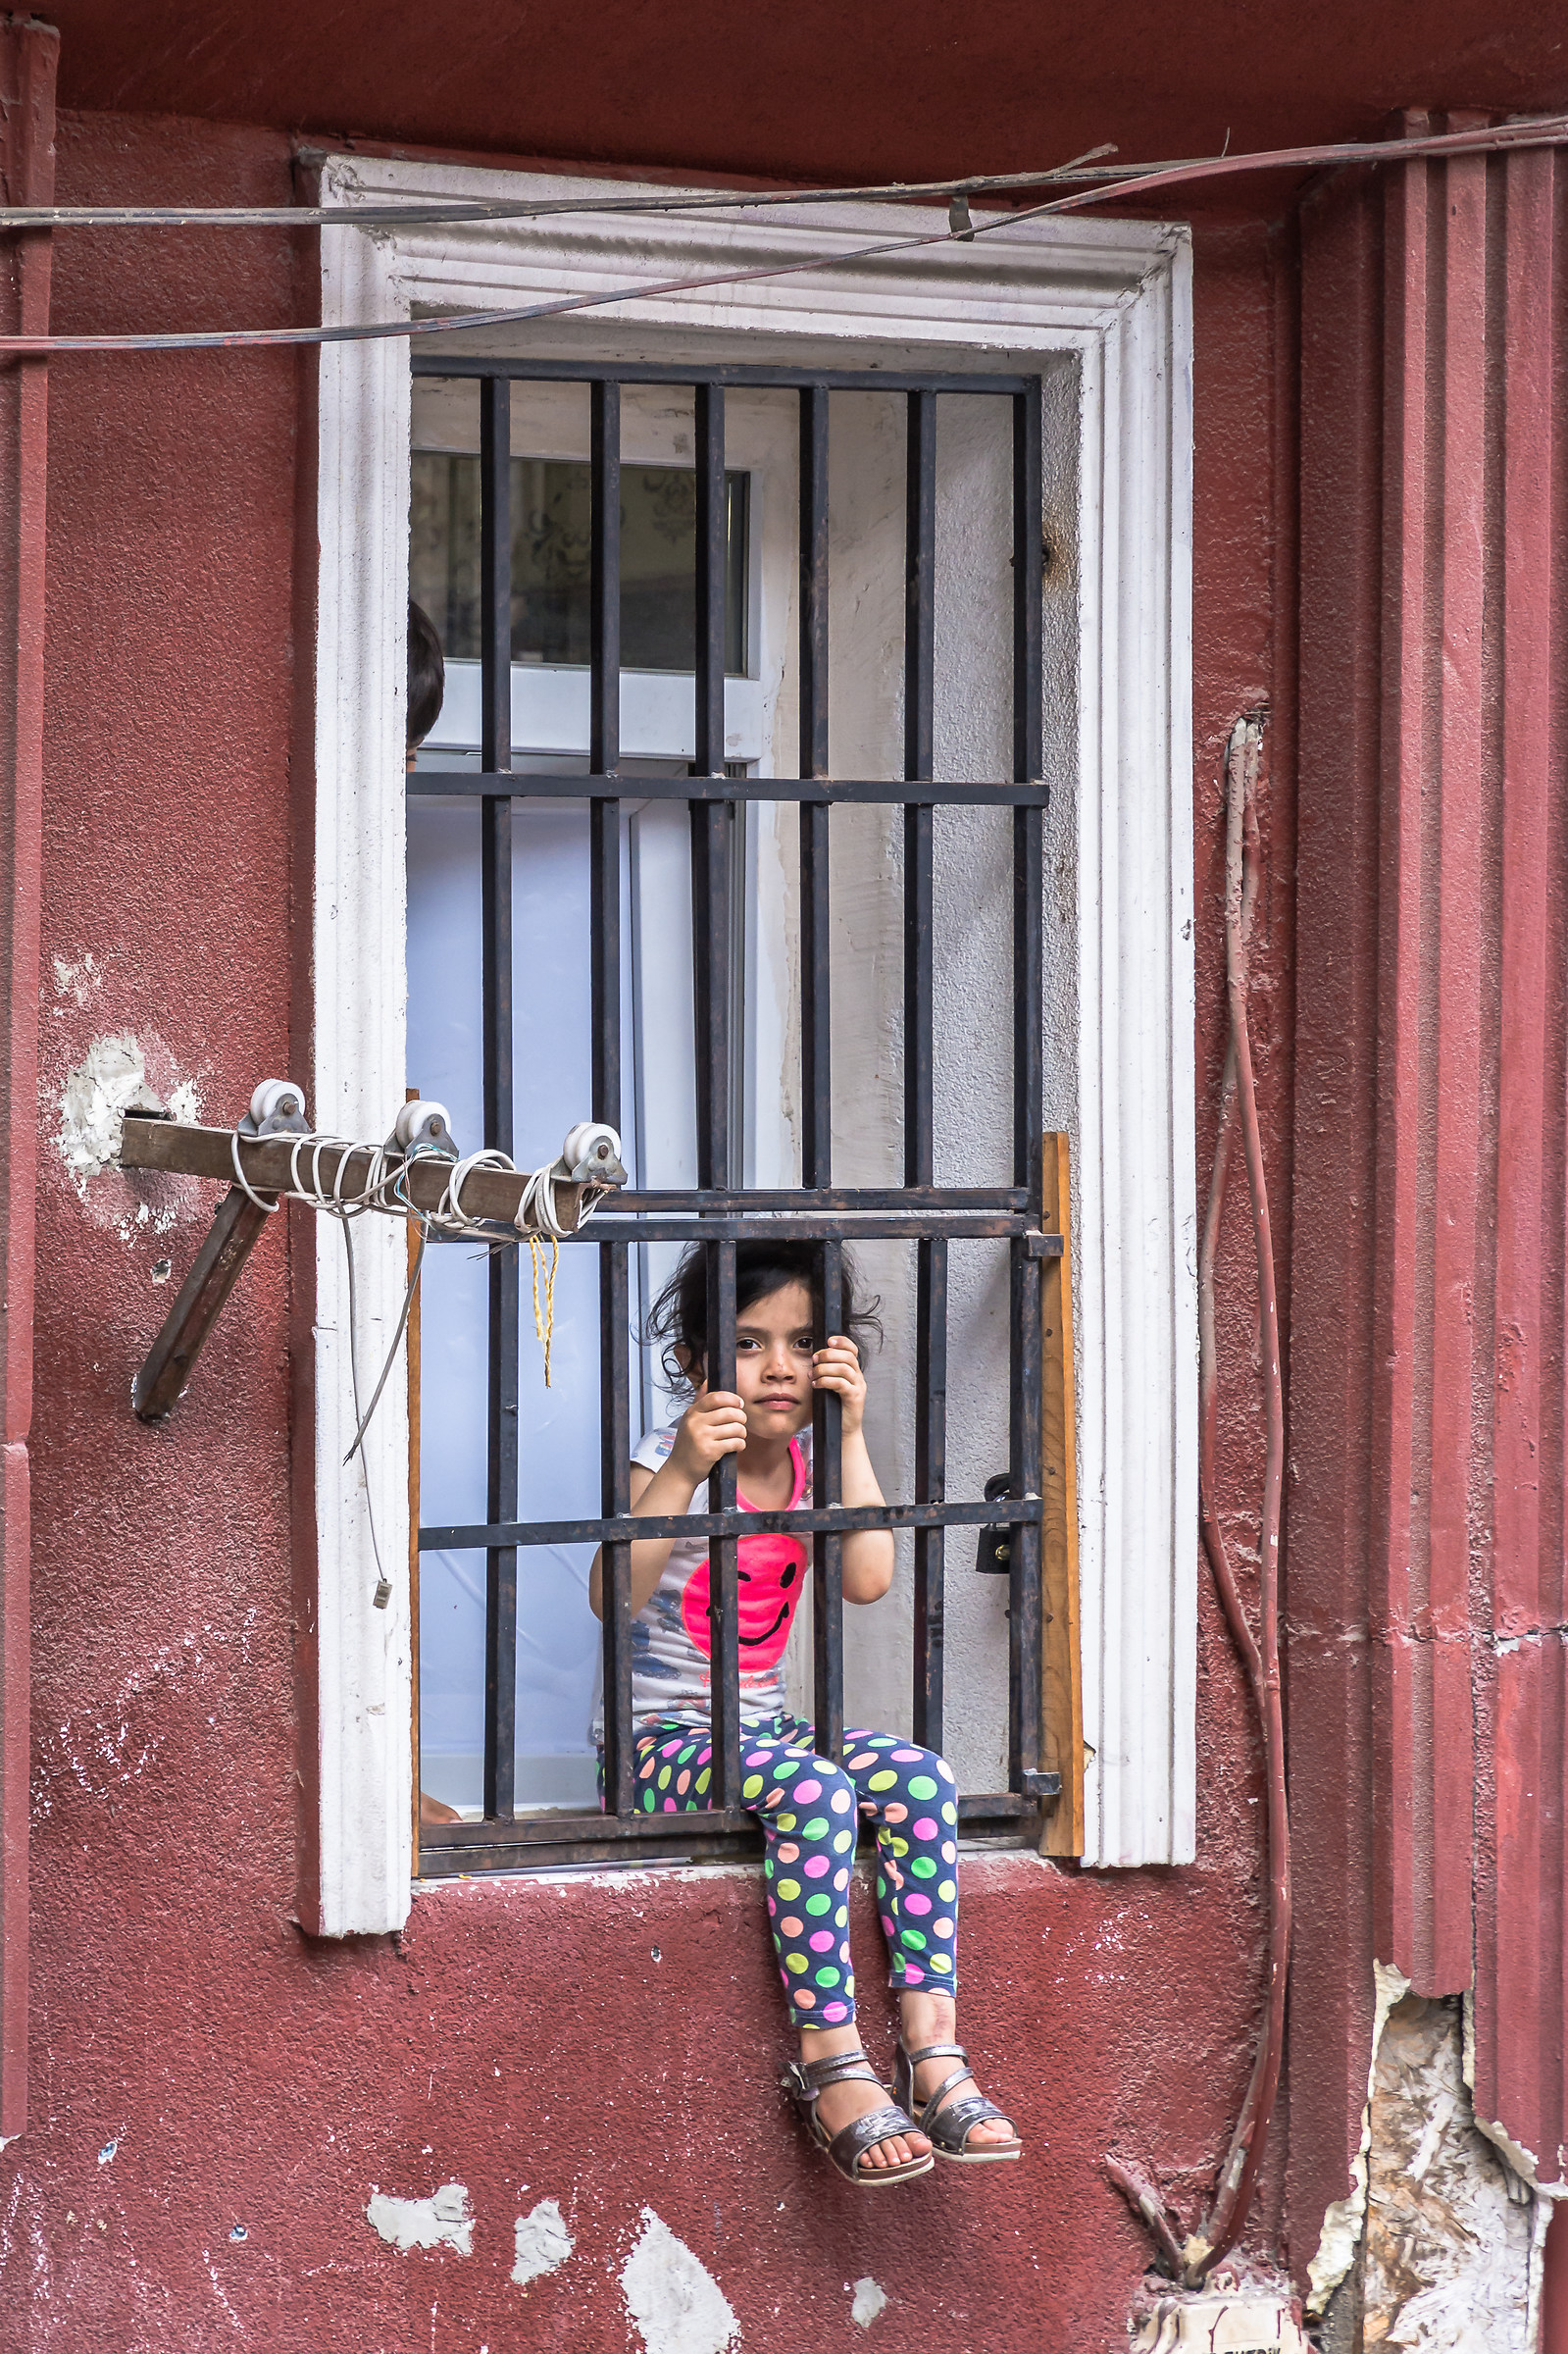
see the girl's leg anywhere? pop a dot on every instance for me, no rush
(910, 1794)
(807, 1811)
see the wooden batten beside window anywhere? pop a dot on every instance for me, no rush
(1062, 1669)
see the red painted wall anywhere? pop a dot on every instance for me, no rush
(213, 2098)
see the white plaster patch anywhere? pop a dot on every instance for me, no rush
(870, 2300)
(118, 1072)
(1452, 2245)
(77, 981)
(111, 1077)
(442, 2221)
(543, 2243)
(675, 2304)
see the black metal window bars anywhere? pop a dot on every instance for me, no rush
(714, 1212)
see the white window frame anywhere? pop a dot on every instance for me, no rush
(1118, 293)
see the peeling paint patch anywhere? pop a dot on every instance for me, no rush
(77, 981)
(543, 2242)
(118, 1072)
(442, 2221)
(109, 1079)
(870, 2300)
(1451, 2229)
(1340, 2235)
(675, 2304)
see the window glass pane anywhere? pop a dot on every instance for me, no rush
(552, 511)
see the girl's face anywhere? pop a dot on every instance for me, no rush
(772, 1362)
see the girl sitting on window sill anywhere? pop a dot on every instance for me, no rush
(806, 1805)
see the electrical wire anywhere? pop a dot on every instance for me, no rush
(1540, 131)
(457, 215)
(383, 1191)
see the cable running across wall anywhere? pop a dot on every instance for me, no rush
(1546, 130)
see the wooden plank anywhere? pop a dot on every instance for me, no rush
(1062, 1680)
(416, 1776)
(235, 1230)
(180, 1147)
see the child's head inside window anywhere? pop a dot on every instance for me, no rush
(426, 677)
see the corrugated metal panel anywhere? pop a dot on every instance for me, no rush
(1467, 1525)
(1428, 1649)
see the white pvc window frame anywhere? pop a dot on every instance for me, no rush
(1118, 295)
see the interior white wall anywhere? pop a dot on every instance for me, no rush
(1104, 308)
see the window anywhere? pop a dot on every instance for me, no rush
(1099, 313)
(546, 871)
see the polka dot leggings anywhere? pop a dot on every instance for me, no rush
(807, 1811)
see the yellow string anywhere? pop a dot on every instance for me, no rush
(544, 1325)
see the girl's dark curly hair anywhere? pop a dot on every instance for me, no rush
(679, 1316)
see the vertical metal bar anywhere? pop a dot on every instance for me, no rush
(1029, 825)
(604, 887)
(604, 743)
(615, 1488)
(712, 551)
(930, 1485)
(496, 921)
(604, 581)
(828, 1593)
(710, 969)
(1025, 1667)
(816, 1075)
(723, 1590)
(920, 653)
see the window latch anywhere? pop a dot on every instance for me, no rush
(993, 1556)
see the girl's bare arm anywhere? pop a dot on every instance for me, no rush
(712, 1425)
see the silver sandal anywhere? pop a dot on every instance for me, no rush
(948, 2130)
(806, 2078)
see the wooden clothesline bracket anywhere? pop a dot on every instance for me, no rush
(154, 1141)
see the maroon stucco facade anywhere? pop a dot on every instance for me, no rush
(517, 2034)
(214, 2095)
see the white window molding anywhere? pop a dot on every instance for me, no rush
(1117, 294)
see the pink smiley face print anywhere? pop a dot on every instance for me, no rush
(770, 1587)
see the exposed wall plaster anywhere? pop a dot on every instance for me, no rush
(1450, 2227)
(870, 2300)
(1340, 2235)
(121, 1071)
(675, 2304)
(98, 1093)
(442, 2221)
(543, 2242)
(1527, 2165)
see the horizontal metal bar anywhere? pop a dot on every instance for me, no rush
(452, 784)
(555, 1824)
(745, 377)
(474, 1537)
(826, 1196)
(540, 1842)
(784, 1225)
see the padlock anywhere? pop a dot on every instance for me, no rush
(993, 1556)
